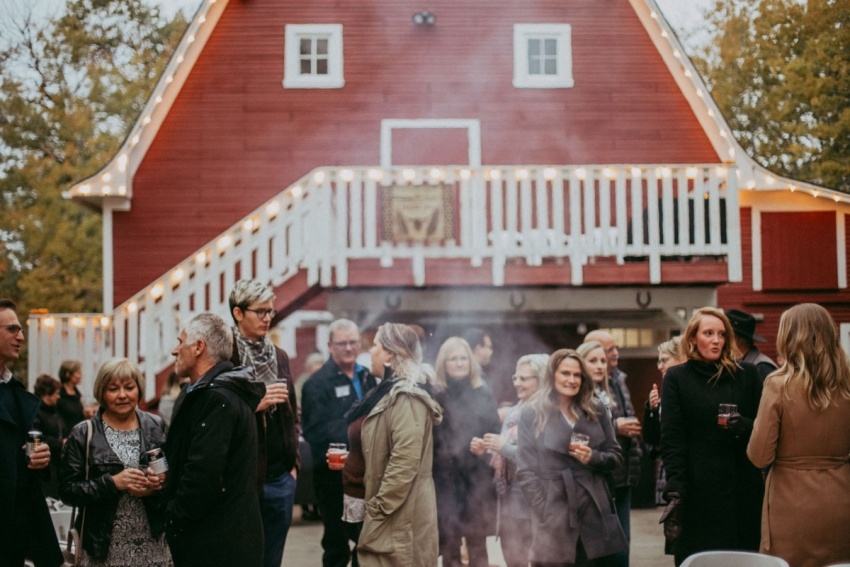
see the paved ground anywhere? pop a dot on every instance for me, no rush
(303, 546)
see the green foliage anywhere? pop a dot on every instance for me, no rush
(780, 72)
(71, 88)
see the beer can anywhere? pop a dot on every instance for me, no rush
(34, 439)
(157, 461)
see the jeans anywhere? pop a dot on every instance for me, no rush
(623, 501)
(276, 505)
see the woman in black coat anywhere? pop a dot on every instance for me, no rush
(51, 425)
(466, 495)
(574, 520)
(121, 512)
(706, 462)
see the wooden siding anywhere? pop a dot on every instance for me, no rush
(799, 251)
(235, 137)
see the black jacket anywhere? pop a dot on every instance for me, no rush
(51, 424)
(98, 494)
(213, 513)
(282, 422)
(325, 398)
(17, 411)
(628, 472)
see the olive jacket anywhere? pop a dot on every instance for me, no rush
(400, 527)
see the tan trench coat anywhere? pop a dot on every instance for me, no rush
(806, 513)
(400, 527)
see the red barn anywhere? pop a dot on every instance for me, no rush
(537, 167)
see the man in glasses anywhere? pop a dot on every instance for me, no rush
(327, 395)
(252, 308)
(25, 526)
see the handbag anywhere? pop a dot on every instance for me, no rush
(73, 552)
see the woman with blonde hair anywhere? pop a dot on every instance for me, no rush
(564, 477)
(803, 431)
(705, 458)
(397, 504)
(123, 521)
(466, 496)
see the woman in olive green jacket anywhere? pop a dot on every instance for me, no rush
(400, 527)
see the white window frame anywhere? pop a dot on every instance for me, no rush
(563, 78)
(292, 77)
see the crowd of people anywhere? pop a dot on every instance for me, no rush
(413, 461)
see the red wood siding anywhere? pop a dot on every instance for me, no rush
(235, 137)
(799, 251)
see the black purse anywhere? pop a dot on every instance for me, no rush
(73, 552)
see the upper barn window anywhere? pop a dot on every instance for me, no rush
(542, 56)
(313, 56)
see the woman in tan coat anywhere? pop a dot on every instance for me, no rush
(400, 525)
(803, 431)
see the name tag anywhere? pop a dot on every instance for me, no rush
(343, 391)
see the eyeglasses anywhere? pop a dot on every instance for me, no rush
(263, 313)
(14, 329)
(343, 344)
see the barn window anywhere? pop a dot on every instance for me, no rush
(542, 56)
(313, 56)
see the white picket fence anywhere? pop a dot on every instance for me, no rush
(333, 215)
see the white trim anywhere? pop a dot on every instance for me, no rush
(841, 249)
(472, 127)
(292, 77)
(563, 77)
(755, 225)
(844, 331)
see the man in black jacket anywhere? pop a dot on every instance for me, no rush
(25, 526)
(213, 513)
(252, 308)
(327, 395)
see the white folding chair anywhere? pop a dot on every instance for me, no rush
(733, 559)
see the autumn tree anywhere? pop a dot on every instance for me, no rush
(71, 87)
(780, 72)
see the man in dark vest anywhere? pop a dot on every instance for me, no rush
(25, 527)
(327, 395)
(252, 308)
(744, 325)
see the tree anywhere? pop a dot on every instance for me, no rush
(70, 90)
(780, 72)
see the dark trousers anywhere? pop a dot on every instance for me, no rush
(336, 551)
(515, 537)
(581, 560)
(476, 548)
(276, 505)
(623, 501)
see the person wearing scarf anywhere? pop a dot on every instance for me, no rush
(252, 307)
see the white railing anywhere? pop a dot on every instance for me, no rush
(333, 215)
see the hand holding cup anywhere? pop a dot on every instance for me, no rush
(580, 448)
(336, 456)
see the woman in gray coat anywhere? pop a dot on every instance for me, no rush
(574, 520)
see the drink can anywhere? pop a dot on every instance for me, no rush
(157, 461)
(34, 439)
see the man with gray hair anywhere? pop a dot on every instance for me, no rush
(213, 514)
(328, 394)
(252, 308)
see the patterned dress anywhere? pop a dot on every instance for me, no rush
(131, 543)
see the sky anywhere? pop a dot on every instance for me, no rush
(686, 16)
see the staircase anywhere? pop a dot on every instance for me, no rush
(306, 236)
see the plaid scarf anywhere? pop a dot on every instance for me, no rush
(259, 354)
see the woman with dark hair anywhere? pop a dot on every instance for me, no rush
(123, 513)
(803, 431)
(49, 422)
(719, 490)
(466, 496)
(567, 448)
(70, 403)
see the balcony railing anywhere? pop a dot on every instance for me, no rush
(333, 215)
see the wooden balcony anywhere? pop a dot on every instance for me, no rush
(418, 216)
